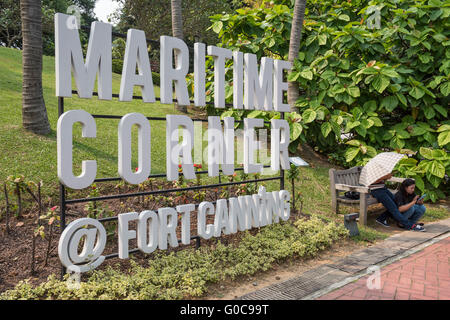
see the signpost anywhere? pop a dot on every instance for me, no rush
(263, 90)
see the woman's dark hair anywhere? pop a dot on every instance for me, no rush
(405, 184)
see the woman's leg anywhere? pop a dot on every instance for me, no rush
(409, 213)
(419, 211)
(384, 196)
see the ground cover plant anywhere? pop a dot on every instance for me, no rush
(187, 273)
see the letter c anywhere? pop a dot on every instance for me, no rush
(64, 140)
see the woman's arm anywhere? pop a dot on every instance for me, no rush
(408, 206)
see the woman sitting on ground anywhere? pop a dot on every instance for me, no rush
(408, 202)
(379, 191)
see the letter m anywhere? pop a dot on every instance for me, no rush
(69, 57)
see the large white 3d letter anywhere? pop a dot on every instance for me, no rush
(125, 234)
(169, 74)
(174, 150)
(68, 55)
(144, 155)
(279, 144)
(136, 53)
(258, 91)
(64, 149)
(250, 145)
(238, 79)
(203, 230)
(280, 86)
(167, 229)
(185, 210)
(199, 75)
(219, 55)
(144, 230)
(285, 206)
(220, 146)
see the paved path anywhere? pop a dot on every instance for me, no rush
(424, 275)
(411, 265)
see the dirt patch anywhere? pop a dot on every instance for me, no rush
(315, 159)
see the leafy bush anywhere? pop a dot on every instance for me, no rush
(364, 89)
(430, 174)
(187, 273)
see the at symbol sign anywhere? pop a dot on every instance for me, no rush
(94, 235)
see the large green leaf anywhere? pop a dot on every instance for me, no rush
(254, 114)
(296, 130)
(217, 26)
(380, 83)
(309, 115)
(440, 109)
(307, 74)
(437, 169)
(361, 131)
(351, 153)
(389, 103)
(397, 142)
(355, 143)
(353, 91)
(443, 138)
(429, 112)
(322, 39)
(427, 153)
(325, 128)
(402, 99)
(445, 88)
(351, 124)
(444, 127)
(416, 93)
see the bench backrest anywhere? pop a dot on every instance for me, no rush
(349, 176)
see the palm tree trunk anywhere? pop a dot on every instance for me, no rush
(34, 113)
(294, 47)
(177, 32)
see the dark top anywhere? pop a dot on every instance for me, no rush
(400, 200)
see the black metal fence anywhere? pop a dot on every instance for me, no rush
(62, 189)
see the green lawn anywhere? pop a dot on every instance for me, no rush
(35, 156)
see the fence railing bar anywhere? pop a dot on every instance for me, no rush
(115, 95)
(162, 175)
(137, 194)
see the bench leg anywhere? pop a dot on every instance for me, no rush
(363, 209)
(334, 202)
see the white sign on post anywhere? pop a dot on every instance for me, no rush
(261, 90)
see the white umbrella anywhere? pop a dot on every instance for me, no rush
(379, 166)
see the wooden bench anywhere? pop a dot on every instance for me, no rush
(348, 180)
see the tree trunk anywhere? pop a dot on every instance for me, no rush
(294, 46)
(34, 113)
(177, 32)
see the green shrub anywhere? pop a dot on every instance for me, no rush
(117, 65)
(363, 90)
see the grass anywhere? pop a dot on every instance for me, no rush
(435, 213)
(35, 156)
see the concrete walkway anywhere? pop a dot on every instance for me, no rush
(408, 265)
